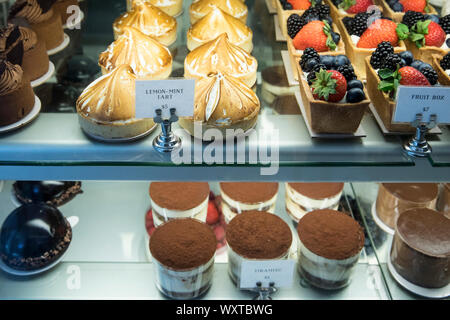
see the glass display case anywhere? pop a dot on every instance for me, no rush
(109, 256)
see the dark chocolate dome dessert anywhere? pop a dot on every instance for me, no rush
(55, 193)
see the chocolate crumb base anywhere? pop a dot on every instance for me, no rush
(68, 195)
(35, 263)
(322, 283)
(185, 295)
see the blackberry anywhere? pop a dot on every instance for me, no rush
(348, 22)
(445, 23)
(411, 17)
(324, 10)
(392, 61)
(348, 72)
(286, 5)
(359, 23)
(312, 75)
(445, 62)
(381, 52)
(308, 53)
(294, 24)
(431, 75)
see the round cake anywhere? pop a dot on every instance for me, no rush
(25, 241)
(54, 193)
(444, 199)
(17, 98)
(172, 200)
(239, 197)
(420, 250)
(256, 235)
(183, 252)
(394, 198)
(329, 248)
(35, 61)
(302, 198)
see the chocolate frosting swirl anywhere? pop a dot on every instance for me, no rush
(10, 77)
(28, 37)
(33, 11)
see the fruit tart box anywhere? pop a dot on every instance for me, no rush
(397, 16)
(328, 117)
(425, 53)
(336, 14)
(443, 77)
(295, 55)
(384, 106)
(283, 16)
(358, 55)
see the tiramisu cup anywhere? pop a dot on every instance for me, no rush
(183, 253)
(394, 198)
(256, 235)
(420, 250)
(302, 198)
(239, 197)
(173, 200)
(329, 248)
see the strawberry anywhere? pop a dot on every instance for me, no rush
(380, 30)
(355, 6)
(149, 225)
(412, 77)
(330, 85)
(414, 5)
(300, 4)
(427, 33)
(316, 34)
(213, 214)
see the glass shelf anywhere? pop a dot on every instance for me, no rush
(441, 148)
(110, 242)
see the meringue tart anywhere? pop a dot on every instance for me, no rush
(220, 55)
(222, 102)
(147, 57)
(235, 8)
(149, 20)
(106, 108)
(171, 7)
(214, 24)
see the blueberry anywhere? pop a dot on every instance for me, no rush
(424, 65)
(329, 20)
(355, 84)
(328, 61)
(312, 17)
(398, 7)
(391, 3)
(310, 64)
(433, 17)
(416, 64)
(336, 37)
(355, 95)
(407, 56)
(448, 42)
(341, 60)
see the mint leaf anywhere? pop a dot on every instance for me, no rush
(346, 4)
(385, 86)
(386, 74)
(402, 31)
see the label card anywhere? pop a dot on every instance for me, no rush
(424, 100)
(281, 272)
(164, 95)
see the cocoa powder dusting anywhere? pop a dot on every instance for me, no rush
(259, 235)
(183, 244)
(250, 192)
(179, 195)
(331, 234)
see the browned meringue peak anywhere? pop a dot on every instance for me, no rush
(222, 100)
(28, 37)
(217, 22)
(148, 19)
(220, 55)
(10, 77)
(235, 8)
(147, 57)
(31, 10)
(111, 97)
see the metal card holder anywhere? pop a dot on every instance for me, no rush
(166, 141)
(264, 293)
(418, 145)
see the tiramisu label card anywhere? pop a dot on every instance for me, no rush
(165, 95)
(422, 100)
(278, 272)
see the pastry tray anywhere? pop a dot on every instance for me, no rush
(278, 34)
(289, 68)
(270, 7)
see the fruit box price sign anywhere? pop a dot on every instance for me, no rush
(280, 272)
(164, 95)
(424, 100)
